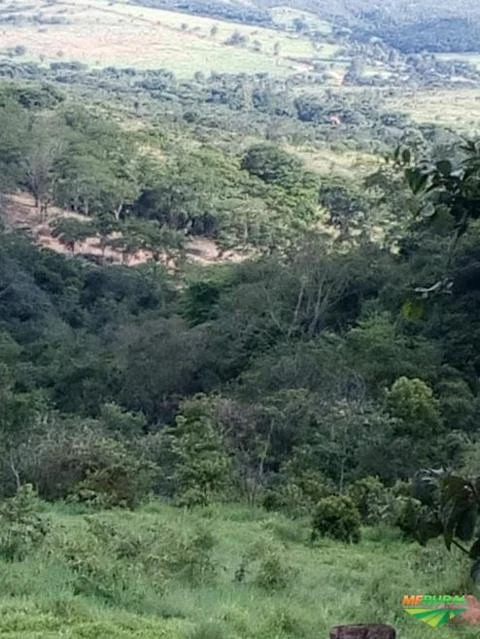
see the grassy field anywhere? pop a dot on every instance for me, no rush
(102, 33)
(472, 58)
(285, 16)
(346, 163)
(218, 573)
(458, 109)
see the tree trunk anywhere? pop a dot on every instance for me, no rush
(343, 461)
(15, 472)
(117, 211)
(320, 305)
(363, 631)
(297, 308)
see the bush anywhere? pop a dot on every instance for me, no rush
(21, 529)
(126, 483)
(370, 497)
(415, 520)
(189, 555)
(201, 465)
(297, 494)
(286, 530)
(287, 497)
(82, 464)
(96, 559)
(118, 563)
(207, 630)
(412, 402)
(96, 574)
(264, 564)
(273, 574)
(338, 518)
(236, 39)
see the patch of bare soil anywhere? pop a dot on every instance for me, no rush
(20, 213)
(204, 251)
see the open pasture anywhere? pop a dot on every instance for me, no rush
(101, 33)
(459, 109)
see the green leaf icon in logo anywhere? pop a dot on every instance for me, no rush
(435, 617)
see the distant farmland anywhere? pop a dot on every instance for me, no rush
(457, 109)
(101, 33)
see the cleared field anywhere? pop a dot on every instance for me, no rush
(101, 33)
(286, 16)
(459, 109)
(471, 58)
(346, 163)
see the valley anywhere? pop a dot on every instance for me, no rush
(239, 328)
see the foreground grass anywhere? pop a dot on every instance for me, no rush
(189, 589)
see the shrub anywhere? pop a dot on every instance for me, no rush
(412, 401)
(125, 483)
(273, 574)
(201, 465)
(370, 497)
(189, 555)
(283, 620)
(207, 630)
(236, 39)
(21, 529)
(338, 518)
(83, 464)
(286, 497)
(115, 419)
(297, 494)
(286, 530)
(415, 520)
(158, 550)
(264, 564)
(96, 575)
(119, 564)
(96, 559)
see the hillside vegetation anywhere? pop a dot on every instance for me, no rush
(239, 286)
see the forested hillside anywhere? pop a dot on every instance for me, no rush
(411, 27)
(239, 328)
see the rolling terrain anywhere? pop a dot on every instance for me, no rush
(239, 292)
(102, 33)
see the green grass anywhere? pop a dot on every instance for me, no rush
(337, 162)
(45, 596)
